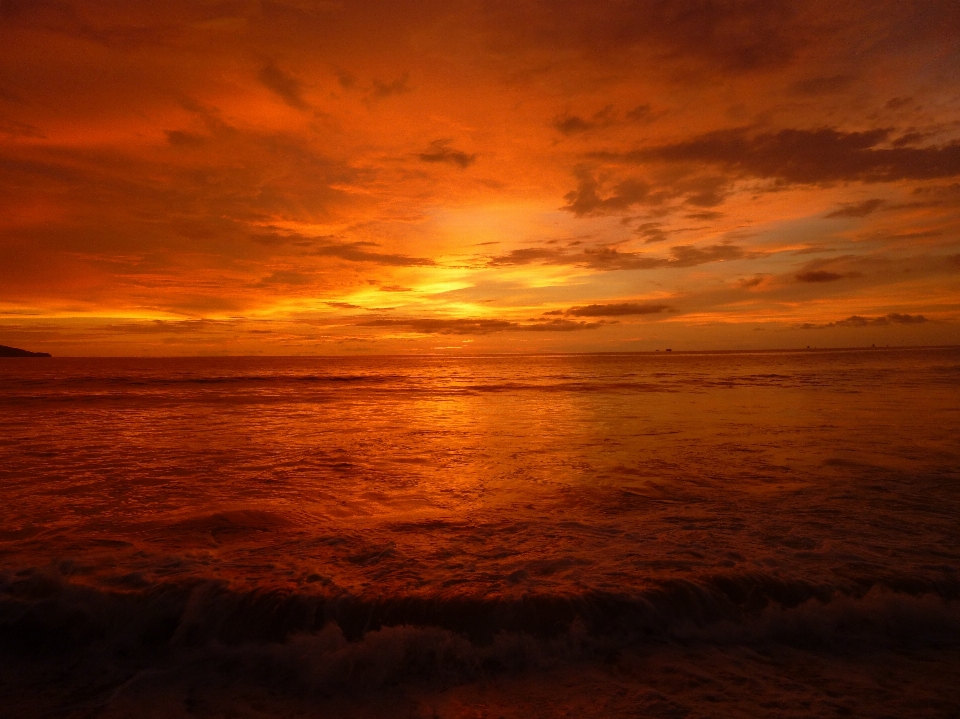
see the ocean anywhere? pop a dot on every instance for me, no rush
(662, 535)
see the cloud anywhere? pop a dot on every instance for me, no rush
(530, 255)
(822, 85)
(574, 124)
(858, 209)
(285, 85)
(443, 326)
(893, 318)
(620, 309)
(388, 288)
(702, 190)
(897, 103)
(571, 124)
(804, 156)
(166, 326)
(747, 283)
(440, 151)
(182, 138)
(383, 89)
(586, 200)
(437, 326)
(640, 113)
(14, 128)
(652, 232)
(145, 228)
(690, 256)
(560, 326)
(188, 184)
(355, 252)
(608, 258)
(286, 277)
(910, 138)
(742, 36)
(819, 276)
(347, 80)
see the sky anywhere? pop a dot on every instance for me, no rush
(285, 177)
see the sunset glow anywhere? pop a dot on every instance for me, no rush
(299, 177)
(529, 359)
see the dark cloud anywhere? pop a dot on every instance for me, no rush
(621, 309)
(129, 204)
(608, 258)
(285, 85)
(898, 102)
(747, 283)
(347, 80)
(383, 89)
(822, 85)
(589, 199)
(819, 276)
(531, 255)
(166, 326)
(433, 326)
(571, 124)
(182, 138)
(652, 232)
(641, 113)
(388, 288)
(899, 319)
(702, 191)
(586, 200)
(357, 252)
(690, 256)
(739, 36)
(98, 25)
(805, 156)
(910, 138)
(707, 215)
(858, 209)
(15, 128)
(440, 151)
(286, 277)
(574, 124)
(893, 318)
(559, 325)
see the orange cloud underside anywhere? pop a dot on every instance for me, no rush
(294, 177)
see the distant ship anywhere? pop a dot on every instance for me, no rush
(14, 352)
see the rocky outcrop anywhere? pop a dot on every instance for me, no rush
(14, 352)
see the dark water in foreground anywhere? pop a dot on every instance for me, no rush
(637, 535)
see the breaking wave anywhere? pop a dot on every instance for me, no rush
(320, 643)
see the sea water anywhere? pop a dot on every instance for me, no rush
(683, 534)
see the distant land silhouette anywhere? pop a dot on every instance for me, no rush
(14, 352)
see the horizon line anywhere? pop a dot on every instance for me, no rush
(668, 350)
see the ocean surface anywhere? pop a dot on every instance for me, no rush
(664, 535)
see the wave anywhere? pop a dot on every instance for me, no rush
(44, 611)
(262, 390)
(172, 379)
(71, 650)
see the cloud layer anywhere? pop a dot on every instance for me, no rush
(292, 177)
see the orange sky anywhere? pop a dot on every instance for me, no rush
(313, 177)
